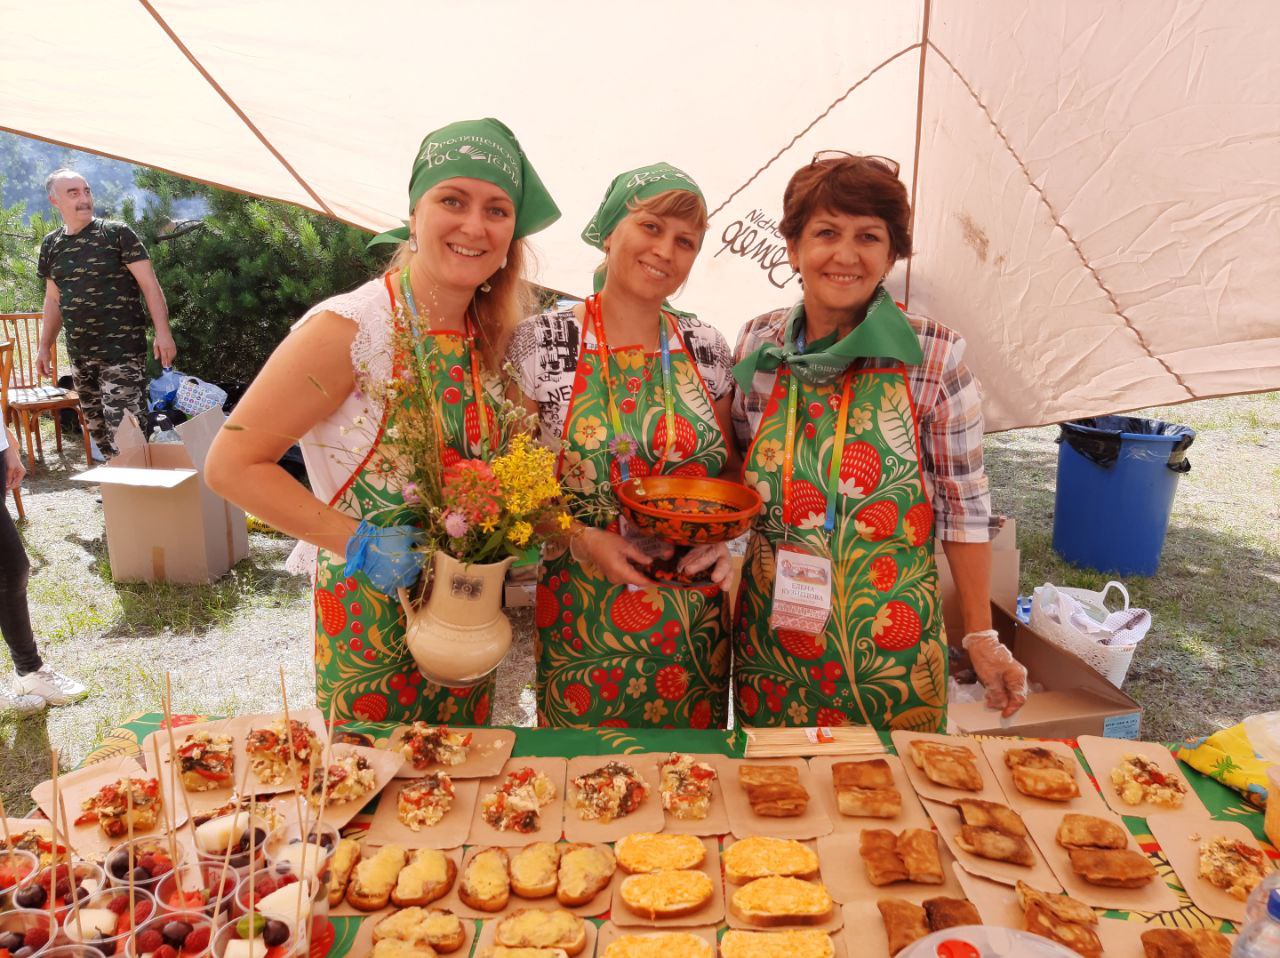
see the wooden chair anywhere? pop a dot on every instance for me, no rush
(6, 367)
(30, 394)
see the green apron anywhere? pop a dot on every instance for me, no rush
(882, 658)
(362, 664)
(609, 655)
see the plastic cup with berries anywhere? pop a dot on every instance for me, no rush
(256, 936)
(26, 933)
(63, 880)
(71, 951)
(172, 935)
(142, 862)
(104, 920)
(247, 838)
(306, 856)
(204, 887)
(16, 868)
(278, 891)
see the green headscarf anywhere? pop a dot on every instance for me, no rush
(637, 184)
(885, 332)
(482, 150)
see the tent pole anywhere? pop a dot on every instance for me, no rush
(915, 162)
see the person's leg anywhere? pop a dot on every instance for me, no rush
(86, 374)
(15, 619)
(123, 387)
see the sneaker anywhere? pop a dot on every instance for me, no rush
(11, 701)
(54, 687)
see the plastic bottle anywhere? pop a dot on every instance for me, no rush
(164, 435)
(1256, 906)
(1261, 937)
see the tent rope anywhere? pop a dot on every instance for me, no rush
(1057, 221)
(235, 107)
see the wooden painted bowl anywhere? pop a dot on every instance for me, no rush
(688, 510)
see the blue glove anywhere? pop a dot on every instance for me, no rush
(386, 555)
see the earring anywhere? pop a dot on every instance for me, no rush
(504, 263)
(485, 287)
(413, 244)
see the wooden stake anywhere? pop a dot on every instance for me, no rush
(53, 914)
(71, 869)
(168, 826)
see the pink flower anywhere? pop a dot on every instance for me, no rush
(455, 524)
(409, 493)
(471, 489)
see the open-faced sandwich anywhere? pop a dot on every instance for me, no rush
(117, 804)
(584, 871)
(686, 787)
(428, 876)
(1062, 919)
(206, 762)
(666, 894)
(425, 801)
(542, 928)
(341, 865)
(776, 900)
(515, 804)
(535, 870)
(658, 944)
(1040, 773)
(1232, 865)
(428, 931)
(375, 878)
(349, 778)
(425, 745)
(790, 943)
(758, 856)
(1139, 780)
(486, 880)
(274, 752)
(611, 791)
(650, 852)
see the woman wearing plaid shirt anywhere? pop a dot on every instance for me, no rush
(863, 434)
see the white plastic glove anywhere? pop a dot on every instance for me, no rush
(1004, 678)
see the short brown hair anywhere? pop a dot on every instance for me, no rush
(853, 186)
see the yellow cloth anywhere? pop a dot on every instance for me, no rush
(1229, 757)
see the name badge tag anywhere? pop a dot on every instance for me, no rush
(801, 590)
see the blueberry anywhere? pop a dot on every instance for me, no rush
(11, 940)
(139, 875)
(176, 932)
(32, 896)
(276, 933)
(118, 865)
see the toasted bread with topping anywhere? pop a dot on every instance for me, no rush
(779, 900)
(428, 876)
(651, 852)
(486, 881)
(542, 928)
(759, 856)
(341, 865)
(665, 944)
(436, 928)
(794, 943)
(534, 870)
(584, 872)
(374, 879)
(668, 894)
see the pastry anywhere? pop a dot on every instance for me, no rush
(270, 757)
(866, 789)
(1062, 919)
(685, 786)
(909, 856)
(651, 852)
(904, 922)
(514, 805)
(777, 900)
(424, 745)
(666, 894)
(994, 832)
(130, 803)
(758, 856)
(1234, 866)
(918, 848)
(1041, 773)
(1138, 780)
(792, 943)
(1185, 943)
(206, 762)
(1112, 867)
(612, 791)
(950, 913)
(952, 766)
(1089, 831)
(425, 801)
(982, 814)
(774, 791)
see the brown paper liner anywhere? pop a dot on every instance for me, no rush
(711, 913)
(1104, 754)
(648, 817)
(1088, 802)
(912, 815)
(948, 821)
(489, 751)
(1180, 835)
(744, 822)
(551, 816)
(450, 832)
(846, 878)
(929, 789)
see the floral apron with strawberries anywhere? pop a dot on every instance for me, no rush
(609, 655)
(362, 663)
(882, 658)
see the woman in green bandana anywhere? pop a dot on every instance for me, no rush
(625, 385)
(456, 279)
(863, 432)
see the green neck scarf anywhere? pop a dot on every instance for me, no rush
(884, 332)
(482, 150)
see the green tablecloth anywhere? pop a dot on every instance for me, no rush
(1221, 801)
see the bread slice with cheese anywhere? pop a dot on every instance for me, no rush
(662, 944)
(779, 900)
(374, 879)
(584, 872)
(542, 928)
(486, 881)
(428, 876)
(651, 852)
(759, 856)
(436, 928)
(341, 866)
(534, 870)
(395, 948)
(793, 943)
(667, 894)
(503, 951)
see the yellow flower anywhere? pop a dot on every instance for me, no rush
(519, 533)
(527, 476)
(590, 432)
(798, 714)
(860, 419)
(769, 454)
(446, 709)
(636, 687)
(565, 520)
(488, 523)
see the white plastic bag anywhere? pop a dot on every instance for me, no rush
(196, 396)
(1079, 621)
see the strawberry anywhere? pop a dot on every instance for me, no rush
(700, 714)
(36, 938)
(148, 940)
(579, 698)
(198, 940)
(672, 681)
(685, 442)
(800, 644)
(119, 904)
(748, 700)
(860, 469)
(896, 627)
(636, 610)
(333, 617)
(918, 523)
(884, 573)
(165, 951)
(545, 607)
(371, 707)
(808, 505)
(830, 716)
(877, 521)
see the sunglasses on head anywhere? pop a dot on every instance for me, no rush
(833, 156)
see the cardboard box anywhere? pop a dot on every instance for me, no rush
(1077, 699)
(1006, 563)
(163, 522)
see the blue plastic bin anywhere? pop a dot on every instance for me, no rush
(1117, 476)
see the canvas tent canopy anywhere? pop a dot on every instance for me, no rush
(1096, 184)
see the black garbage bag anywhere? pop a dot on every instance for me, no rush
(1098, 438)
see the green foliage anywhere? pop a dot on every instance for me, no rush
(20, 235)
(237, 282)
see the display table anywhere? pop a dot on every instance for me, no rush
(1221, 802)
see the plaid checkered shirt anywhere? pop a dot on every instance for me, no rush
(948, 404)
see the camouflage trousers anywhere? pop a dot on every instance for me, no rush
(107, 391)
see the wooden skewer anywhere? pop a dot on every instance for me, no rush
(293, 752)
(4, 824)
(168, 826)
(71, 869)
(235, 816)
(53, 817)
(253, 891)
(133, 890)
(173, 752)
(324, 799)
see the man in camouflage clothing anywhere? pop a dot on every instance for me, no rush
(93, 270)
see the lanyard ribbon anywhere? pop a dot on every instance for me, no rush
(595, 316)
(837, 451)
(419, 348)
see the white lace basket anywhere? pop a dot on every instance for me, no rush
(196, 396)
(1079, 621)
